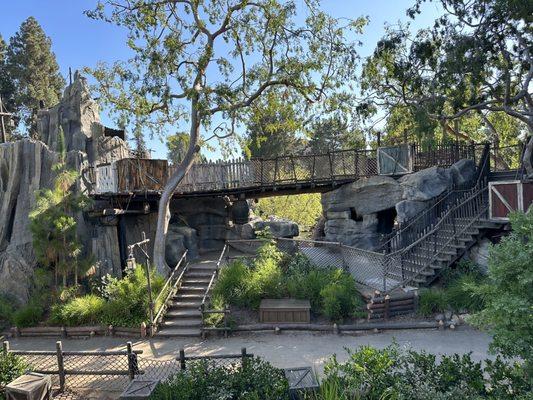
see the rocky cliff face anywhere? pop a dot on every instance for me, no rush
(26, 167)
(360, 213)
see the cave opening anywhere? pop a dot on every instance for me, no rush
(386, 220)
(354, 215)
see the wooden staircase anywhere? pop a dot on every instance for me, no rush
(457, 228)
(183, 317)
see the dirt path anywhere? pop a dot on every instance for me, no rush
(286, 349)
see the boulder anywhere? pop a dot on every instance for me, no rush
(408, 209)
(338, 215)
(479, 254)
(463, 172)
(425, 184)
(362, 234)
(180, 238)
(366, 196)
(279, 227)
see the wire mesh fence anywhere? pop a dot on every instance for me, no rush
(111, 371)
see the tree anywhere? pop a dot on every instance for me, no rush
(509, 300)
(272, 127)
(334, 133)
(32, 66)
(7, 89)
(195, 60)
(177, 148)
(53, 223)
(475, 59)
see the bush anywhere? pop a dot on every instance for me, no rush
(231, 284)
(431, 301)
(203, 380)
(84, 310)
(340, 298)
(265, 280)
(389, 373)
(127, 303)
(309, 286)
(11, 367)
(507, 291)
(29, 315)
(7, 309)
(460, 295)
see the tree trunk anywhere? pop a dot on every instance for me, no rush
(528, 153)
(163, 214)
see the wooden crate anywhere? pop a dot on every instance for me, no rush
(508, 196)
(289, 311)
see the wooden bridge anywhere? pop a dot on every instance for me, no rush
(261, 177)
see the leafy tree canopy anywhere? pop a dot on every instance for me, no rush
(334, 133)
(475, 59)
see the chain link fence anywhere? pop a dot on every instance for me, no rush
(111, 371)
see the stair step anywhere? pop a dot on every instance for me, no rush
(180, 323)
(193, 289)
(183, 313)
(191, 274)
(188, 297)
(186, 304)
(195, 281)
(177, 332)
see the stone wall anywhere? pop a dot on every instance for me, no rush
(360, 214)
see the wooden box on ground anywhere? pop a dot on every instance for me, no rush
(285, 311)
(30, 386)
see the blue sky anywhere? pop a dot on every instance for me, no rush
(79, 41)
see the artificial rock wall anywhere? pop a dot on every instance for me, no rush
(359, 214)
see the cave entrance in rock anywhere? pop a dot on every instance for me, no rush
(386, 220)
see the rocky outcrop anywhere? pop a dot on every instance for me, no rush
(479, 254)
(359, 214)
(363, 197)
(26, 166)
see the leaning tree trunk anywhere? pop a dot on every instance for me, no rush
(528, 156)
(163, 214)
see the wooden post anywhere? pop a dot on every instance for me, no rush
(379, 138)
(182, 359)
(243, 355)
(5, 347)
(131, 366)
(60, 365)
(387, 300)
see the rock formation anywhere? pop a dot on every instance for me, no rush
(26, 167)
(360, 214)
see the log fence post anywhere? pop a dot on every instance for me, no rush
(60, 365)
(132, 361)
(5, 347)
(182, 359)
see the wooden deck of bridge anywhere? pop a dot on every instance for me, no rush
(292, 174)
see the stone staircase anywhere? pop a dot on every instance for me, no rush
(183, 317)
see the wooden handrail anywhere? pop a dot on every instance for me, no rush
(170, 293)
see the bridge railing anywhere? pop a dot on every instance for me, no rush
(143, 175)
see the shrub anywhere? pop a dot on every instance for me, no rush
(29, 315)
(389, 373)
(11, 367)
(309, 286)
(431, 301)
(231, 284)
(340, 298)
(7, 309)
(265, 280)
(507, 291)
(460, 295)
(203, 380)
(84, 310)
(127, 303)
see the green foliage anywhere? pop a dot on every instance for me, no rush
(330, 291)
(7, 308)
(126, 303)
(11, 367)
(304, 209)
(340, 298)
(31, 63)
(85, 310)
(28, 315)
(431, 301)
(334, 133)
(508, 311)
(375, 374)
(254, 380)
(232, 282)
(53, 226)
